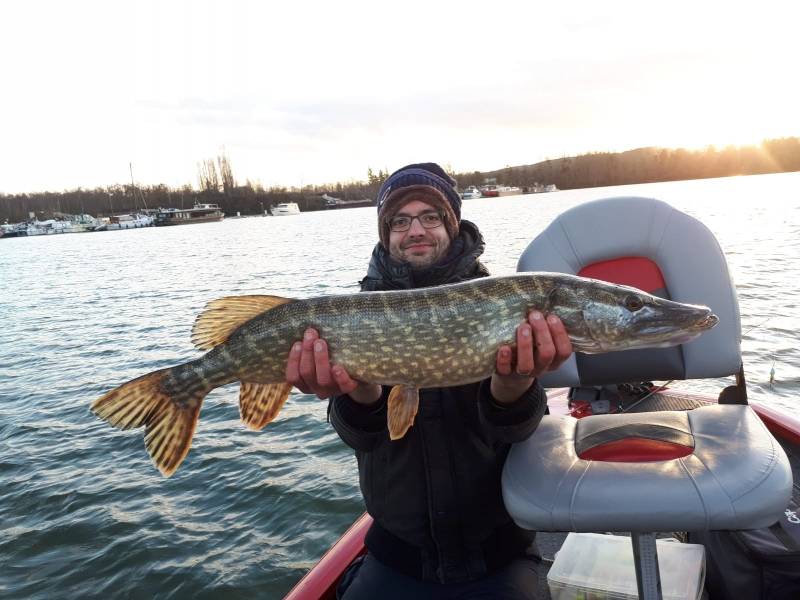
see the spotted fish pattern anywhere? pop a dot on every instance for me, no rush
(409, 339)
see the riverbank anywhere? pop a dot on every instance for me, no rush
(597, 169)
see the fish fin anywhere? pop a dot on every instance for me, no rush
(223, 316)
(559, 295)
(260, 403)
(169, 422)
(401, 409)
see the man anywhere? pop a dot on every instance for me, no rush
(440, 527)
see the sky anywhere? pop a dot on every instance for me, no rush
(315, 92)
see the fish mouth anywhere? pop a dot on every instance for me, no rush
(688, 317)
(686, 334)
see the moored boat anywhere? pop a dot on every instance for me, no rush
(126, 221)
(494, 191)
(508, 190)
(64, 223)
(651, 480)
(539, 188)
(200, 213)
(48, 227)
(12, 230)
(83, 223)
(489, 191)
(332, 202)
(285, 208)
(471, 193)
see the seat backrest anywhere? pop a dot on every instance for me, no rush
(650, 245)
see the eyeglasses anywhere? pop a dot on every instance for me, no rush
(429, 220)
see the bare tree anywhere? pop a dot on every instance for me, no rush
(207, 174)
(226, 173)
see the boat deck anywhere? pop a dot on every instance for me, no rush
(320, 582)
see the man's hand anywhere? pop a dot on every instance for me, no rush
(542, 345)
(309, 369)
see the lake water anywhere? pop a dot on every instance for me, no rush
(84, 514)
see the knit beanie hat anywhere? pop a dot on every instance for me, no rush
(423, 181)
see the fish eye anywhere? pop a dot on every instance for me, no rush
(633, 302)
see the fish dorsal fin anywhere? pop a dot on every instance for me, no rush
(223, 316)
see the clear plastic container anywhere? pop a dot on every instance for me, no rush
(593, 566)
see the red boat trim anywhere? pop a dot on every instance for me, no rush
(321, 581)
(781, 424)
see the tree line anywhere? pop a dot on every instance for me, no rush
(218, 185)
(648, 165)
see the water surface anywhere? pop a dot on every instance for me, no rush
(82, 511)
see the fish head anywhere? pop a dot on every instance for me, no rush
(605, 317)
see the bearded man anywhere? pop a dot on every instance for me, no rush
(440, 529)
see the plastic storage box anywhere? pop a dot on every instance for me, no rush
(593, 566)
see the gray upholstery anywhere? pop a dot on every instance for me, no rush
(738, 477)
(690, 260)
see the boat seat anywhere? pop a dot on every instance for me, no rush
(714, 467)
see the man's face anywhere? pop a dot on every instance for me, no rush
(418, 246)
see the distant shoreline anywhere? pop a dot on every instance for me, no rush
(598, 169)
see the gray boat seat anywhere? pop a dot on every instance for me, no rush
(714, 467)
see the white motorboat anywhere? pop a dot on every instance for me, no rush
(471, 193)
(83, 223)
(129, 221)
(508, 190)
(285, 208)
(10, 230)
(48, 227)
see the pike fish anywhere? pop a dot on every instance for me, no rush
(409, 339)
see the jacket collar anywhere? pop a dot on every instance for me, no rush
(459, 264)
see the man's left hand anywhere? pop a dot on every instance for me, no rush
(542, 345)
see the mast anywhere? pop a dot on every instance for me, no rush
(133, 185)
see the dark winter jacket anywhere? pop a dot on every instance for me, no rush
(435, 494)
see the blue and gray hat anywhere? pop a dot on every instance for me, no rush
(424, 181)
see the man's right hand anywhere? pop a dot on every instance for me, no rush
(310, 371)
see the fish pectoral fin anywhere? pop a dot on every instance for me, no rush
(401, 409)
(169, 422)
(260, 403)
(223, 316)
(558, 296)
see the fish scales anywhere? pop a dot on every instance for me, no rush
(431, 337)
(369, 333)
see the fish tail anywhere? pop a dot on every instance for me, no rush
(169, 417)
